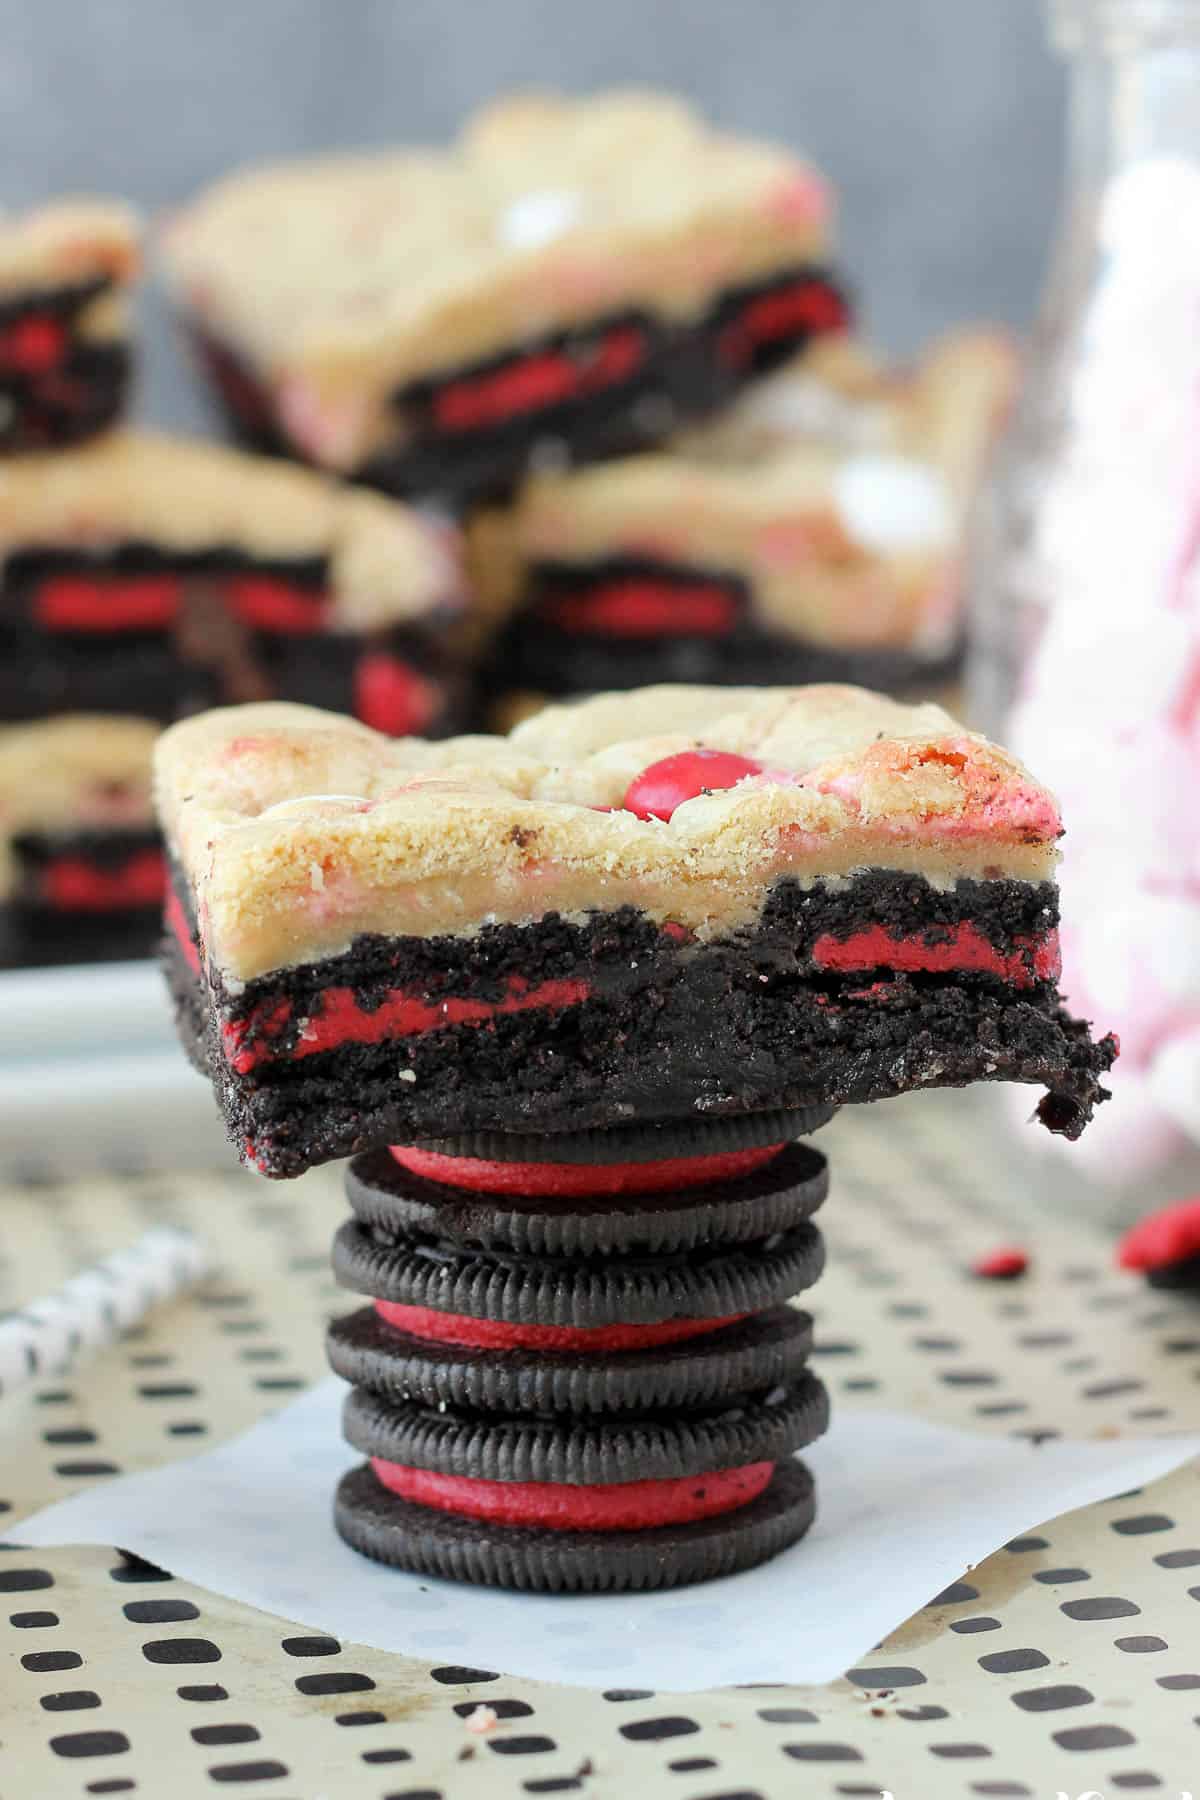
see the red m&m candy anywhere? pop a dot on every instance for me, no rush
(1005, 1264)
(1165, 1245)
(658, 790)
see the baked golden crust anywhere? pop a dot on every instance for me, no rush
(837, 491)
(299, 829)
(388, 564)
(341, 279)
(68, 241)
(74, 772)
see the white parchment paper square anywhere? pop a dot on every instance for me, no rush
(905, 1507)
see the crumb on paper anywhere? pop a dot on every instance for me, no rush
(481, 1719)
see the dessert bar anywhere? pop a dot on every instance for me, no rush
(438, 321)
(814, 531)
(81, 863)
(65, 363)
(152, 574)
(670, 904)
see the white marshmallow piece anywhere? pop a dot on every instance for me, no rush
(891, 504)
(538, 218)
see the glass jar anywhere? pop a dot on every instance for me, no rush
(1086, 596)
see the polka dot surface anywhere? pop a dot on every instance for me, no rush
(1067, 1661)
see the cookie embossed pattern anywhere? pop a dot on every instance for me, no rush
(570, 998)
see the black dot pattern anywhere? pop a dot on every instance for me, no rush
(1068, 1653)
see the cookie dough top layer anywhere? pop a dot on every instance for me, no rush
(75, 772)
(387, 563)
(67, 242)
(345, 272)
(299, 829)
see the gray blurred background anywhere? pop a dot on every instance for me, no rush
(939, 120)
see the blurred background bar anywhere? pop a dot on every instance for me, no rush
(939, 121)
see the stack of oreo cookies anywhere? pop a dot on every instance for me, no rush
(579, 1371)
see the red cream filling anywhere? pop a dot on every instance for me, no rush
(800, 309)
(642, 607)
(35, 344)
(73, 884)
(110, 602)
(343, 1020)
(493, 1334)
(545, 379)
(573, 1180)
(175, 921)
(963, 948)
(267, 604)
(555, 1506)
(107, 602)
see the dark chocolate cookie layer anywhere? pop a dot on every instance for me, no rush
(751, 1356)
(744, 1428)
(785, 1192)
(421, 1538)
(661, 1031)
(582, 1293)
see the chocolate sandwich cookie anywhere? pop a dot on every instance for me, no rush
(380, 1524)
(571, 1209)
(522, 1375)
(441, 1288)
(648, 1141)
(548, 1504)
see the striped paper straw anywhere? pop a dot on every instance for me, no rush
(97, 1305)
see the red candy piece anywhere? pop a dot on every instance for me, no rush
(1163, 1238)
(561, 1506)
(567, 1179)
(390, 696)
(1001, 1265)
(658, 790)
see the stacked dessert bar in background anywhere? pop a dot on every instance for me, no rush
(565, 997)
(569, 278)
(812, 531)
(144, 577)
(609, 337)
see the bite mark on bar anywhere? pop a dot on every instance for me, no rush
(556, 1506)
(497, 1334)
(342, 1019)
